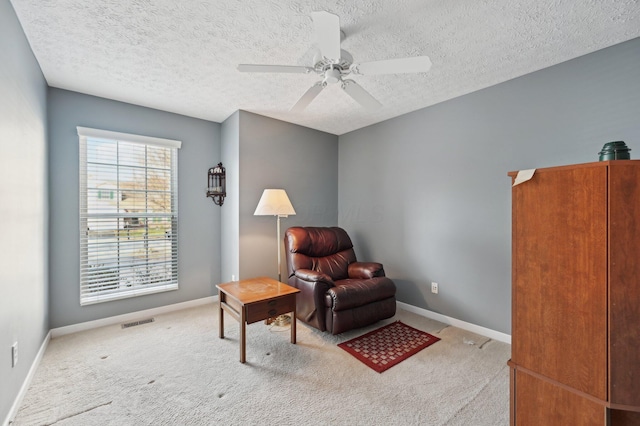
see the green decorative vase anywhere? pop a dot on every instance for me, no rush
(615, 151)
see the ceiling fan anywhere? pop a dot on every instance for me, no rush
(333, 64)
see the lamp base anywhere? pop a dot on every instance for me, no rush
(279, 321)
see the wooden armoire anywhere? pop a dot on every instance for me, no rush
(576, 296)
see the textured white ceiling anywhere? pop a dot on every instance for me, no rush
(181, 55)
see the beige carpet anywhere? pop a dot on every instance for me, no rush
(176, 371)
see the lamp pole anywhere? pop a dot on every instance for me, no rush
(278, 245)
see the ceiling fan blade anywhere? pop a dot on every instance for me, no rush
(308, 96)
(274, 68)
(360, 95)
(393, 66)
(327, 34)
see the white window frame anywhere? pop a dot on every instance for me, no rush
(86, 297)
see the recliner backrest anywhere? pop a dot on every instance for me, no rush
(327, 250)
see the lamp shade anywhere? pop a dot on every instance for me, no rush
(274, 202)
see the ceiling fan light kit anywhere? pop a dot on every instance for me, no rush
(333, 64)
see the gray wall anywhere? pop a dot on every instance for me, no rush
(302, 161)
(230, 218)
(198, 220)
(428, 195)
(23, 207)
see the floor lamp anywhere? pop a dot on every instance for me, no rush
(274, 202)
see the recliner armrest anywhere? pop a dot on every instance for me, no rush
(313, 276)
(310, 301)
(365, 270)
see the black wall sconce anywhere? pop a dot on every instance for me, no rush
(216, 184)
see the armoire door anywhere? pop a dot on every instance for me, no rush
(559, 323)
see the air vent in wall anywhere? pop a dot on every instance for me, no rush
(134, 323)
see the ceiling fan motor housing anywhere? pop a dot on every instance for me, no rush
(322, 64)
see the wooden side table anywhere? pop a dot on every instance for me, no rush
(253, 300)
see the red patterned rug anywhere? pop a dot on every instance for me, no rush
(387, 346)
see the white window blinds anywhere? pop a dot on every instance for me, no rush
(128, 215)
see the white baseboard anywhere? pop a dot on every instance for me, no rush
(495, 335)
(74, 328)
(27, 381)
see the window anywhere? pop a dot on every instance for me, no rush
(128, 215)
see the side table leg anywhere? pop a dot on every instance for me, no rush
(221, 300)
(243, 335)
(293, 324)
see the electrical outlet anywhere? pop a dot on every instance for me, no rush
(434, 288)
(233, 277)
(14, 354)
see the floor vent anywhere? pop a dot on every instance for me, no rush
(134, 323)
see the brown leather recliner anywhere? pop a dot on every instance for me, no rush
(337, 293)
